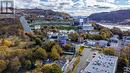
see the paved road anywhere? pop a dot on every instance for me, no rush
(25, 24)
(70, 65)
(86, 56)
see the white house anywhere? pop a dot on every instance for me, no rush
(53, 36)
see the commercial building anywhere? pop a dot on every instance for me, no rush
(87, 27)
(102, 64)
(121, 2)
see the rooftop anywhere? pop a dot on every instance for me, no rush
(102, 64)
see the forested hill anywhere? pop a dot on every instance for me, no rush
(46, 13)
(114, 16)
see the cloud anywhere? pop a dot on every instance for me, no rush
(73, 7)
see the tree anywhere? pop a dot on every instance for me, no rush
(80, 50)
(59, 49)
(14, 65)
(74, 36)
(38, 41)
(67, 47)
(29, 56)
(48, 46)
(51, 68)
(40, 54)
(122, 62)
(109, 51)
(3, 52)
(105, 33)
(26, 64)
(6, 43)
(54, 54)
(56, 69)
(117, 31)
(3, 65)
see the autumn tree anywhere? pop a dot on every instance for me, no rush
(6, 43)
(74, 36)
(51, 68)
(3, 65)
(67, 47)
(122, 62)
(105, 33)
(117, 31)
(29, 56)
(14, 65)
(54, 54)
(109, 51)
(40, 54)
(58, 47)
(48, 46)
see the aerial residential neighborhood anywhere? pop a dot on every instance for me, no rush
(64, 36)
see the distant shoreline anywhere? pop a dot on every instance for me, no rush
(111, 25)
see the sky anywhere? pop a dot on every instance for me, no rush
(76, 7)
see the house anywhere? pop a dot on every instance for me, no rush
(40, 16)
(72, 31)
(63, 31)
(90, 43)
(102, 43)
(37, 27)
(80, 39)
(63, 39)
(126, 40)
(114, 40)
(53, 36)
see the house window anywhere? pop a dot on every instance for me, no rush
(7, 7)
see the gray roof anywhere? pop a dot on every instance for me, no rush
(102, 64)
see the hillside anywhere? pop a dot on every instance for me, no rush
(114, 16)
(44, 13)
(9, 26)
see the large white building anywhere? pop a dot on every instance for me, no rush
(87, 27)
(102, 64)
(121, 2)
(129, 2)
(108, 1)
